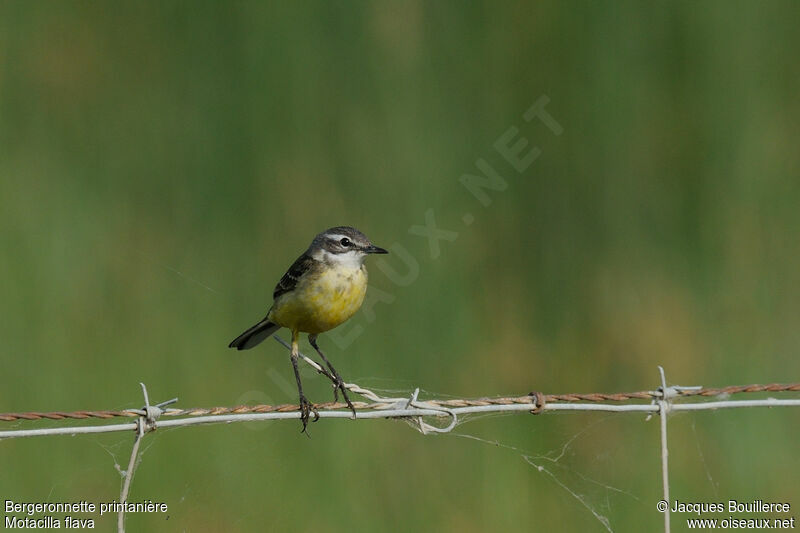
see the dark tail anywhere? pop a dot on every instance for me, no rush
(254, 335)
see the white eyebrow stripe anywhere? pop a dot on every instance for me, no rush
(337, 236)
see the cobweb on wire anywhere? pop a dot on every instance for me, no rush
(594, 496)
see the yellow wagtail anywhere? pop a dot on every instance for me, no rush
(322, 289)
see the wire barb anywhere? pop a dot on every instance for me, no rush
(149, 414)
(419, 423)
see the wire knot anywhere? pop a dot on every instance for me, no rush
(539, 402)
(419, 422)
(149, 414)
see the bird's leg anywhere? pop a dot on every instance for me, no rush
(338, 383)
(306, 407)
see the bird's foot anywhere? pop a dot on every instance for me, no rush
(306, 408)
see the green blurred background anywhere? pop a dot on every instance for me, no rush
(162, 163)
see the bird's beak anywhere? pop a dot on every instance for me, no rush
(372, 249)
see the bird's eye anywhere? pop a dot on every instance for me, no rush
(345, 242)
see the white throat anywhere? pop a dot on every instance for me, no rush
(352, 259)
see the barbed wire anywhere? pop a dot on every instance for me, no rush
(381, 407)
(386, 403)
(378, 403)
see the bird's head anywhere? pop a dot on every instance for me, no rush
(343, 245)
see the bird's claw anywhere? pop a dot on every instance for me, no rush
(306, 408)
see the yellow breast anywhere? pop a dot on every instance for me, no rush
(322, 300)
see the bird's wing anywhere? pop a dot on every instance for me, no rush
(289, 280)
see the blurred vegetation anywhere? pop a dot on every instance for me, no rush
(162, 163)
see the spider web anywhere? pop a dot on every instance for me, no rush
(562, 465)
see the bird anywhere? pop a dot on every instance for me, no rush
(322, 289)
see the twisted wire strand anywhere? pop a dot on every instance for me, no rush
(378, 403)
